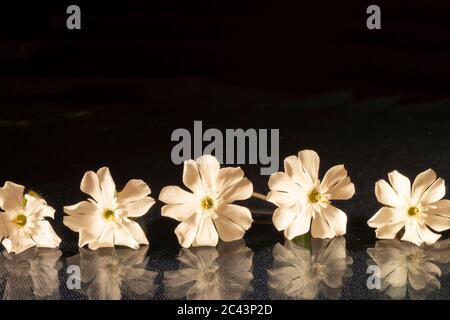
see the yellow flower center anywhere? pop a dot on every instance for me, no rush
(315, 196)
(21, 220)
(207, 203)
(108, 214)
(413, 211)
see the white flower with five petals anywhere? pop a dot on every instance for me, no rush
(301, 196)
(105, 220)
(415, 209)
(23, 224)
(208, 213)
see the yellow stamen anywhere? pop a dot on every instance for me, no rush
(108, 214)
(21, 220)
(413, 211)
(207, 203)
(315, 196)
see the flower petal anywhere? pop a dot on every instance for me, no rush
(434, 193)
(134, 190)
(178, 212)
(238, 214)
(107, 185)
(343, 190)
(90, 185)
(320, 227)
(81, 221)
(282, 199)
(293, 168)
(386, 195)
(441, 207)
(37, 207)
(300, 225)
(422, 182)
(310, 161)
(418, 233)
(437, 222)
(332, 177)
(228, 230)
(337, 219)
(135, 230)
(187, 230)
(192, 179)
(283, 217)
(44, 211)
(123, 238)
(208, 167)
(280, 181)
(31, 204)
(401, 185)
(3, 227)
(412, 233)
(83, 207)
(240, 191)
(383, 216)
(44, 236)
(227, 178)
(11, 197)
(176, 195)
(138, 208)
(427, 235)
(389, 230)
(207, 233)
(90, 233)
(106, 239)
(18, 241)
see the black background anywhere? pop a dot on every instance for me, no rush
(113, 92)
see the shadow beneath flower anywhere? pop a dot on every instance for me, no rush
(308, 269)
(222, 273)
(409, 270)
(32, 274)
(111, 273)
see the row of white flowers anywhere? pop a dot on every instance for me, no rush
(208, 212)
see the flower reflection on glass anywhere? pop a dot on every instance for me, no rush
(209, 273)
(105, 220)
(23, 224)
(207, 212)
(30, 275)
(300, 273)
(109, 272)
(415, 209)
(407, 268)
(301, 196)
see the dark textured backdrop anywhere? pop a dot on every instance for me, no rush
(112, 93)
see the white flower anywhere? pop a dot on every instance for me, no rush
(303, 274)
(23, 224)
(301, 196)
(414, 209)
(222, 273)
(208, 213)
(114, 273)
(405, 267)
(104, 221)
